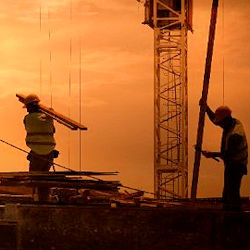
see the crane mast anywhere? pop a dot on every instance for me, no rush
(170, 20)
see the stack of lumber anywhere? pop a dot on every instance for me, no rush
(72, 188)
(17, 184)
(58, 179)
(110, 198)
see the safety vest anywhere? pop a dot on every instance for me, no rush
(240, 154)
(40, 133)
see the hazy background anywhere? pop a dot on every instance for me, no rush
(117, 82)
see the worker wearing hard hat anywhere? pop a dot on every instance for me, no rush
(234, 153)
(40, 138)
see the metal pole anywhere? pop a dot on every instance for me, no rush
(204, 98)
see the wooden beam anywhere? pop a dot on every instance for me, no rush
(204, 98)
(57, 173)
(64, 120)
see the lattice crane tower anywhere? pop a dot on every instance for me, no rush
(170, 20)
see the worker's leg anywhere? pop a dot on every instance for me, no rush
(35, 162)
(235, 190)
(41, 163)
(43, 192)
(226, 189)
(231, 192)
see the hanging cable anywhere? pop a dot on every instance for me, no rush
(138, 8)
(80, 104)
(40, 66)
(50, 61)
(70, 78)
(40, 16)
(223, 53)
(41, 77)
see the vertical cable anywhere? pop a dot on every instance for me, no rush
(223, 56)
(41, 77)
(70, 76)
(40, 16)
(80, 105)
(50, 61)
(40, 24)
(138, 8)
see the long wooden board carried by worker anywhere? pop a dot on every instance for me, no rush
(57, 116)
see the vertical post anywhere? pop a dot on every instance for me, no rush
(184, 120)
(156, 99)
(204, 98)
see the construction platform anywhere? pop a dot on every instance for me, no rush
(95, 214)
(70, 227)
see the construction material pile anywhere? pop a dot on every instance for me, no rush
(66, 188)
(94, 197)
(13, 184)
(58, 179)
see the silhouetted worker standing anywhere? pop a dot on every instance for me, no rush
(234, 153)
(40, 139)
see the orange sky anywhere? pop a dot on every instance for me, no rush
(117, 72)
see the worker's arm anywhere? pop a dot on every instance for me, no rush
(210, 114)
(209, 111)
(209, 154)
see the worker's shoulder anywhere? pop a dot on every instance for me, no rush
(36, 116)
(235, 138)
(238, 128)
(237, 121)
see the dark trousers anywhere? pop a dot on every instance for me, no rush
(231, 191)
(41, 163)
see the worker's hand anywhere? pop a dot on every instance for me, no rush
(207, 154)
(202, 102)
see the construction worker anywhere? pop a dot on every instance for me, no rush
(234, 153)
(40, 139)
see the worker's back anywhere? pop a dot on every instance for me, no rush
(40, 133)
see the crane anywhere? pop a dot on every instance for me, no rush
(170, 20)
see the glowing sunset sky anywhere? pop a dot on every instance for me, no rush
(117, 82)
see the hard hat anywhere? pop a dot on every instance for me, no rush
(31, 98)
(221, 113)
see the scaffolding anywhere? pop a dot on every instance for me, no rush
(170, 21)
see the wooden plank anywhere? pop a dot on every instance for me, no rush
(57, 173)
(15, 190)
(204, 98)
(67, 182)
(74, 125)
(50, 184)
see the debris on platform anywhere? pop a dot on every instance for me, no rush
(72, 188)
